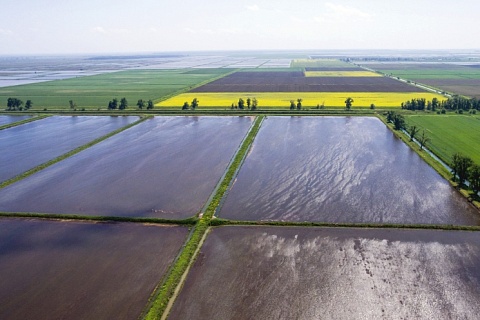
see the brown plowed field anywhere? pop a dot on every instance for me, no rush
(296, 82)
(468, 87)
(333, 69)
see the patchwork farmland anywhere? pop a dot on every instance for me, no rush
(328, 86)
(137, 217)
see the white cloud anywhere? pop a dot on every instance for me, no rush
(99, 30)
(253, 7)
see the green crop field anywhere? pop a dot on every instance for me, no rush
(450, 134)
(97, 91)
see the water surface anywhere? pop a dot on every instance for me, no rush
(26, 146)
(11, 119)
(78, 270)
(164, 167)
(340, 169)
(325, 273)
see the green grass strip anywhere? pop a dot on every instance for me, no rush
(225, 222)
(162, 295)
(52, 216)
(17, 123)
(69, 154)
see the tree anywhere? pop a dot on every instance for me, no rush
(112, 105)
(241, 103)
(460, 167)
(390, 116)
(412, 131)
(372, 106)
(292, 104)
(348, 103)
(123, 104)
(474, 178)
(72, 104)
(398, 121)
(195, 103)
(150, 104)
(14, 104)
(186, 106)
(140, 104)
(28, 104)
(299, 103)
(423, 140)
(254, 103)
(249, 102)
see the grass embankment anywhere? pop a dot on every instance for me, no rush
(51, 216)
(162, 296)
(69, 154)
(93, 92)
(225, 222)
(17, 123)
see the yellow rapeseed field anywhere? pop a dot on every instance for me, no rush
(341, 74)
(310, 99)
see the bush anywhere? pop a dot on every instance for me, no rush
(443, 111)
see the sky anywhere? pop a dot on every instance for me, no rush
(118, 26)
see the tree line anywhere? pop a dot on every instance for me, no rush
(14, 104)
(113, 104)
(455, 103)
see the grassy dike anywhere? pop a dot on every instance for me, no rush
(14, 124)
(70, 153)
(164, 295)
(226, 222)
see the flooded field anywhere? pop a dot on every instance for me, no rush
(10, 119)
(26, 146)
(340, 169)
(322, 273)
(164, 167)
(79, 270)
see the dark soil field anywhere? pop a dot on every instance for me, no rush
(29, 145)
(297, 82)
(467, 87)
(79, 270)
(340, 169)
(165, 167)
(321, 273)
(10, 119)
(333, 69)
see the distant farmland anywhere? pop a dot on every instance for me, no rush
(323, 86)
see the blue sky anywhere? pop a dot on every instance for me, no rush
(53, 26)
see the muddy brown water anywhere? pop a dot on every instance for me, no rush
(11, 119)
(27, 146)
(164, 167)
(332, 273)
(78, 270)
(340, 169)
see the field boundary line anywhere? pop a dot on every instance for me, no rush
(77, 217)
(18, 123)
(69, 153)
(225, 222)
(179, 287)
